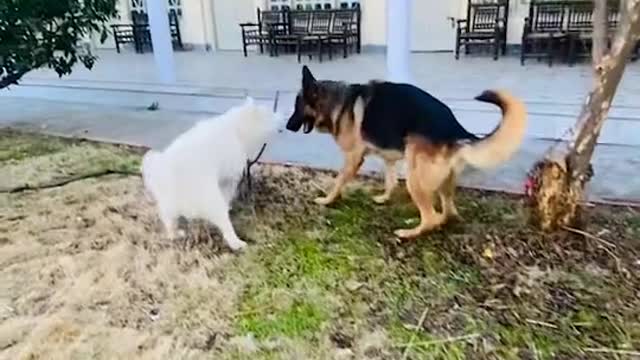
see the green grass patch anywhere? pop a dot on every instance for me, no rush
(300, 319)
(15, 146)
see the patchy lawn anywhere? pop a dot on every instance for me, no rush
(86, 272)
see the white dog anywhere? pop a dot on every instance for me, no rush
(197, 174)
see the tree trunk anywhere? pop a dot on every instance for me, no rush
(558, 181)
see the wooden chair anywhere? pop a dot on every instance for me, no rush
(298, 27)
(543, 26)
(580, 26)
(319, 31)
(139, 34)
(486, 23)
(344, 30)
(123, 34)
(261, 34)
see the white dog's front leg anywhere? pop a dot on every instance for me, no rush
(218, 214)
(223, 222)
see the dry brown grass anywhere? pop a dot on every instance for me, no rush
(87, 273)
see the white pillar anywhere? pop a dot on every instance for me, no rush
(398, 40)
(161, 39)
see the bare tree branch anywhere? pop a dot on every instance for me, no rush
(600, 25)
(609, 73)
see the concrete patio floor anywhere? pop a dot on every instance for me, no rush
(110, 103)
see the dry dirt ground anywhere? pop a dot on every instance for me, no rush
(87, 273)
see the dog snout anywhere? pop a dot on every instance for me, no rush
(295, 123)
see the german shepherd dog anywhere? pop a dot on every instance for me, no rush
(397, 121)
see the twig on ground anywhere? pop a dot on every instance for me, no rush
(413, 336)
(318, 187)
(442, 341)
(541, 323)
(68, 180)
(604, 244)
(612, 351)
(590, 236)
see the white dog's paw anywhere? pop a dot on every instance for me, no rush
(176, 234)
(237, 245)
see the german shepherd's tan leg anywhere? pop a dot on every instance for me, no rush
(447, 193)
(353, 161)
(423, 181)
(390, 182)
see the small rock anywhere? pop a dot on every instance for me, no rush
(245, 344)
(353, 285)
(343, 354)
(154, 314)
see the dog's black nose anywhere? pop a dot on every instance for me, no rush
(294, 124)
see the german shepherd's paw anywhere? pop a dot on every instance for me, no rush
(454, 218)
(407, 233)
(323, 201)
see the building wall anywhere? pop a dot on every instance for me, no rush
(374, 22)
(213, 24)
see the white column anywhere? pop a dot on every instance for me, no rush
(161, 38)
(398, 40)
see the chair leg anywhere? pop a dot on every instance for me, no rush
(457, 54)
(550, 51)
(117, 46)
(572, 51)
(523, 49)
(299, 50)
(496, 49)
(344, 47)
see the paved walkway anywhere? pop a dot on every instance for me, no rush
(110, 103)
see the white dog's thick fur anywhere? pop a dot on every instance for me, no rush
(197, 174)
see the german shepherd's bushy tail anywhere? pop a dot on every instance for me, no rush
(505, 140)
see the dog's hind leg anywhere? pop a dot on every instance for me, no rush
(422, 183)
(218, 214)
(170, 222)
(447, 193)
(390, 182)
(353, 161)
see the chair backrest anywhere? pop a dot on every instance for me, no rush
(142, 18)
(342, 18)
(299, 21)
(266, 17)
(174, 18)
(483, 17)
(547, 16)
(613, 15)
(321, 22)
(139, 17)
(580, 15)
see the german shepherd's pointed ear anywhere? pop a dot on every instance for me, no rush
(309, 83)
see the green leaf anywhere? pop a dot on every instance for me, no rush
(36, 33)
(104, 35)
